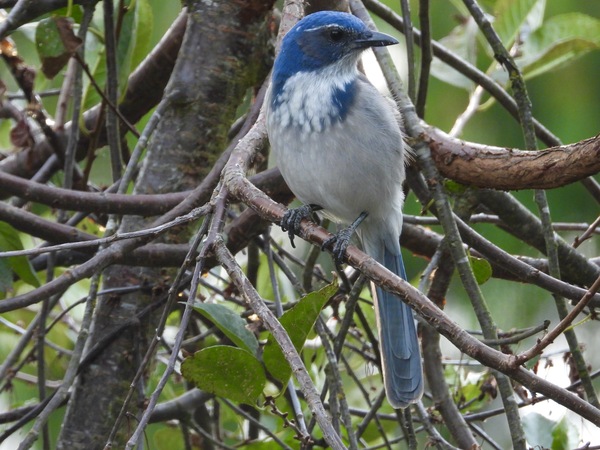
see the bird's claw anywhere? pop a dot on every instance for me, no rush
(338, 243)
(293, 217)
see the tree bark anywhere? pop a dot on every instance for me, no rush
(222, 55)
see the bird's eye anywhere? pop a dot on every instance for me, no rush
(336, 34)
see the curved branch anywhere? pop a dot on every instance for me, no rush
(510, 169)
(234, 177)
(485, 166)
(91, 202)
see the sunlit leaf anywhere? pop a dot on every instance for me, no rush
(226, 371)
(538, 430)
(564, 435)
(471, 390)
(298, 322)
(542, 432)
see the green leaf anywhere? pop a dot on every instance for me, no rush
(471, 390)
(91, 96)
(298, 322)
(532, 362)
(538, 430)
(482, 269)
(55, 43)
(231, 324)
(226, 371)
(561, 40)
(10, 241)
(511, 15)
(471, 395)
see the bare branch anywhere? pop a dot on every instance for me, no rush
(511, 169)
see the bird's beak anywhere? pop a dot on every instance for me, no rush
(374, 39)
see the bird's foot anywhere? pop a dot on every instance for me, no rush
(293, 217)
(338, 243)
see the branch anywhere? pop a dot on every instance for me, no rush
(491, 167)
(560, 328)
(152, 232)
(269, 181)
(284, 341)
(37, 226)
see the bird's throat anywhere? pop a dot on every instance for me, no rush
(313, 101)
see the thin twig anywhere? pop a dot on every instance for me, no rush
(282, 338)
(518, 336)
(560, 328)
(144, 233)
(592, 229)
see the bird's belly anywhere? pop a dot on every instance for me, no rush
(321, 171)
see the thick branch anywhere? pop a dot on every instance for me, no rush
(510, 169)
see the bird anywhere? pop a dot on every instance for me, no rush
(338, 143)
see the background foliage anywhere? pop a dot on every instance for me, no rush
(564, 98)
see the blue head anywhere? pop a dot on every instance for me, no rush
(325, 38)
(326, 47)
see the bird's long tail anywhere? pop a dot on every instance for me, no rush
(399, 345)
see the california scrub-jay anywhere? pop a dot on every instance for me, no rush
(338, 143)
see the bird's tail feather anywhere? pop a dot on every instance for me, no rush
(400, 355)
